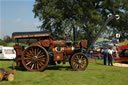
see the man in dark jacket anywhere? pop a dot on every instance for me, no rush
(105, 52)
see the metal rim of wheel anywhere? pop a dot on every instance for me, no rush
(35, 58)
(79, 62)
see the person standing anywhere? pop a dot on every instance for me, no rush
(105, 53)
(110, 52)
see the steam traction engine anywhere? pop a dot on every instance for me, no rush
(123, 53)
(46, 51)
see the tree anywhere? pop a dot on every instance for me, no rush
(7, 39)
(87, 16)
(2, 42)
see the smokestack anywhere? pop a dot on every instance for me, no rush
(74, 34)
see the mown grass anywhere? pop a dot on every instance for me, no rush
(11, 44)
(95, 74)
(123, 43)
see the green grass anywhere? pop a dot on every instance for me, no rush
(123, 43)
(95, 74)
(12, 44)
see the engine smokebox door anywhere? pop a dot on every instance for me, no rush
(58, 56)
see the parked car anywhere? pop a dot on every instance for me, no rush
(99, 43)
(7, 53)
(94, 49)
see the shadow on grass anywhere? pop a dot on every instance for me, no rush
(49, 67)
(99, 63)
(59, 68)
(18, 68)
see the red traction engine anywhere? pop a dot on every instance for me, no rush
(123, 53)
(45, 51)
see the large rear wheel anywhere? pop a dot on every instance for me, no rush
(79, 61)
(35, 58)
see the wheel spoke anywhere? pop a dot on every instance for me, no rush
(35, 52)
(38, 53)
(28, 63)
(39, 58)
(32, 66)
(27, 58)
(81, 57)
(76, 66)
(31, 53)
(41, 63)
(28, 53)
(37, 65)
(42, 56)
(43, 60)
(77, 57)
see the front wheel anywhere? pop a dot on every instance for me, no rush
(79, 61)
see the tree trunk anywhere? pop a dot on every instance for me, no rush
(2, 73)
(7, 75)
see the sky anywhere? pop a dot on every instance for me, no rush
(17, 16)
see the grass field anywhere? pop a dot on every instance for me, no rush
(95, 74)
(123, 43)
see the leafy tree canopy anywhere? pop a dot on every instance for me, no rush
(60, 16)
(8, 39)
(2, 42)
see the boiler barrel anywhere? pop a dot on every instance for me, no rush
(69, 50)
(124, 53)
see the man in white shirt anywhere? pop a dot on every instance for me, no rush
(110, 51)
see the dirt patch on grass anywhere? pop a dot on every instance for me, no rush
(120, 64)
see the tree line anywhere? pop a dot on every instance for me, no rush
(87, 16)
(7, 39)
